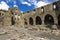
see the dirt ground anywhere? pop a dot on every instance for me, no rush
(20, 33)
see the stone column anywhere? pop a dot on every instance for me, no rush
(27, 21)
(43, 21)
(34, 21)
(55, 20)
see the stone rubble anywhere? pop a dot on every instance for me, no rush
(16, 33)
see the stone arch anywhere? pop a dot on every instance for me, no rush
(12, 21)
(31, 21)
(38, 20)
(49, 20)
(59, 20)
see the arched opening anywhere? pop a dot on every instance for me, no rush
(55, 6)
(42, 9)
(31, 21)
(49, 20)
(12, 21)
(38, 20)
(25, 21)
(0, 14)
(59, 20)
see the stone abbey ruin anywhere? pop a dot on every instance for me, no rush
(47, 16)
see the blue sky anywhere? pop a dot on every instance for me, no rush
(23, 5)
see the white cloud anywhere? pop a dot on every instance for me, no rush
(3, 5)
(21, 11)
(24, 2)
(15, 6)
(40, 3)
(34, 2)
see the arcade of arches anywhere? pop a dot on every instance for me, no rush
(48, 20)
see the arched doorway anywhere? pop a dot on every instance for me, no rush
(31, 21)
(59, 20)
(12, 21)
(49, 20)
(38, 20)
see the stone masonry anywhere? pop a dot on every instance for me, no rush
(44, 17)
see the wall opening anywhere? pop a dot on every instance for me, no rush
(49, 20)
(55, 6)
(31, 21)
(12, 21)
(0, 14)
(42, 9)
(38, 20)
(59, 20)
(25, 21)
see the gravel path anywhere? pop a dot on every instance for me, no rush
(18, 33)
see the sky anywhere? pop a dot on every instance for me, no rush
(24, 5)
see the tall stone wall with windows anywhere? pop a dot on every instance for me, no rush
(45, 16)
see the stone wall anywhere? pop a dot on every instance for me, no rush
(5, 18)
(50, 11)
(42, 17)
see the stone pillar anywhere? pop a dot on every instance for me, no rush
(34, 21)
(55, 20)
(43, 21)
(28, 21)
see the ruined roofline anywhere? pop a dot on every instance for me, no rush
(14, 8)
(3, 10)
(39, 7)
